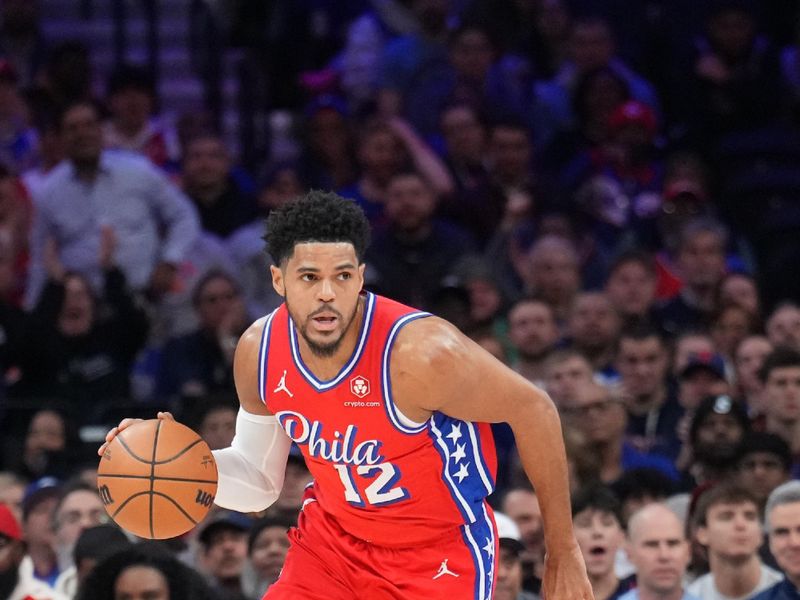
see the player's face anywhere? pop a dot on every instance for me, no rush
(321, 283)
(141, 583)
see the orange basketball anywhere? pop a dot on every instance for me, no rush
(157, 479)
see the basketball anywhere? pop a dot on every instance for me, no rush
(157, 479)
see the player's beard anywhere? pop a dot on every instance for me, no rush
(323, 350)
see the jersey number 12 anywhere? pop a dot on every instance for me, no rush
(380, 491)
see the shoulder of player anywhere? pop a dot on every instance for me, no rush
(430, 342)
(250, 340)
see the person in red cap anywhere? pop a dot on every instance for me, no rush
(17, 582)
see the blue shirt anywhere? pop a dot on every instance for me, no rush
(785, 590)
(152, 219)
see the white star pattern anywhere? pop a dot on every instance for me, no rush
(462, 472)
(459, 454)
(455, 432)
(489, 547)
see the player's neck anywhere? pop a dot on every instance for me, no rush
(327, 367)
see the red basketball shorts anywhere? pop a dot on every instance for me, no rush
(327, 563)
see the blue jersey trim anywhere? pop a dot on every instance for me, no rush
(386, 380)
(480, 540)
(320, 385)
(444, 452)
(263, 353)
(483, 469)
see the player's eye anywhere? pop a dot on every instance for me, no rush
(345, 276)
(307, 277)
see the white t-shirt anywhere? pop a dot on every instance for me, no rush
(705, 588)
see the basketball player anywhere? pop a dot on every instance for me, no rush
(390, 407)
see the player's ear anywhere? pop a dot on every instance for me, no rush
(361, 268)
(278, 281)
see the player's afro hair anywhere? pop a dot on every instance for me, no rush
(316, 217)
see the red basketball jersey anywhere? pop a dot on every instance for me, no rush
(384, 479)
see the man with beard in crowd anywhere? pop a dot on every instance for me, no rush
(715, 434)
(533, 333)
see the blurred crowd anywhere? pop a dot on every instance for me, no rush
(604, 195)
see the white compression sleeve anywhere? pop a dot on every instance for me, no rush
(251, 471)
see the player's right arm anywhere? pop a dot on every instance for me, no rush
(251, 470)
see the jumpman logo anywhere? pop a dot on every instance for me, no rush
(282, 386)
(443, 570)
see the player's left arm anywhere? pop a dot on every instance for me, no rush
(434, 367)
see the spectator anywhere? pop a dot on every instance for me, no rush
(223, 552)
(522, 506)
(328, 160)
(12, 491)
(144, 571)
(17, 583)
(703, 375)
(134, 125)
(94, 545)
(51, 150)
(295, 481)
(639, 487)
(591, 46)
(601, 418)
(221, 198)
(38, 506)
(728, 526)
(631, 286)
(715, 434)
(384, 149)
(781, 377)
(16, 212)
(597, 516)
(48, 445)
(730, 325)
(748, 360)
(783, 326)
(741, 290)
(200, 362)
(18, 148)
(701, 264)
(533, 333)
(78, 508)
(564, 371)
(736, 77)
(509, 585)
(267, 546)
(653, 410)
(764, 463)
(215, 418)
(414, 252)
(419, 55)
(593, 326)
(128, 195)
(93, 340)
(658, 548)
(465, 144)
(21, 39)
(783, 526)
(551, 272)
(689, 345)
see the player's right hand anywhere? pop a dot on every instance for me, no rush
(124, 424)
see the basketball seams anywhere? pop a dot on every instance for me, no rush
(157, 478)
(178, 506)
(164, 461)
(152, 475)
(131, 452)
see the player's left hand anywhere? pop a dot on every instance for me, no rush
(565, 576)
